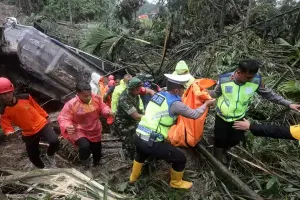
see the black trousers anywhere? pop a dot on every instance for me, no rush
(32, 145)
(87, 147)
(278, 132)
(159, 150)
(225, 135)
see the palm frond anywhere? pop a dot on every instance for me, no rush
(105, 43)
(290, 86)
(94, 39)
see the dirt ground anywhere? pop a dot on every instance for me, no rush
(13, 154)
(114, 169)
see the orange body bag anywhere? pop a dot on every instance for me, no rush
(188, 132)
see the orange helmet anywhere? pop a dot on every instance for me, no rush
(5, 85)
(111, 77)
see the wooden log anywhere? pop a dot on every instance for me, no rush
(238, 183)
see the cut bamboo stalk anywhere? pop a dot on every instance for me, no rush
(48, 172)
(238, 183)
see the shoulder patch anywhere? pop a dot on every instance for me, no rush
(158, 99)
(228, 89)
(225, 75)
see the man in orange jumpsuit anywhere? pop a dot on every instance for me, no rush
(24, 112)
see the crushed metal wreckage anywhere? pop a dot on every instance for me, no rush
(32, 59)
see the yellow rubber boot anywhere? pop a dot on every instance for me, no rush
(136, 171)
(177, 182)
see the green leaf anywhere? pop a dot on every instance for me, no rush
(282, 42)
(290, 189)
(271, 183)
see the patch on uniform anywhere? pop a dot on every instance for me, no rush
(228, 89)
(26, 107)
(157, 99)
(249, 90)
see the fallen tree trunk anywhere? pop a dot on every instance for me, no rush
(238, 183)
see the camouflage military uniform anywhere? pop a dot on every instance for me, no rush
(124, 125)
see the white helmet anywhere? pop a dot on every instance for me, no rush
(11, 20)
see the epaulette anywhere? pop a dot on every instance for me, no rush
(225, 78)
(257, 79)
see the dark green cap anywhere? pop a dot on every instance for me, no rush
(134, 83)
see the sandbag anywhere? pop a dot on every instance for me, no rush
(188, 132)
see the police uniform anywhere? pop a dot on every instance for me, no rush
(232, 105)
(152, 132)
(277, 132)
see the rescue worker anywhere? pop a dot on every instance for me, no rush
(107, 101)
(152, 131)
(79, 123)
(107, 98)
(149, 83)
(111, 89)
(95, 83)
(129, 113)
(118, 90)
(234, 91)
(277, 132)
(181, 69)
(23, 111)
(111, 77)
(102, 84)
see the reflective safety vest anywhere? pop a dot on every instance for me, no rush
(233, 103)
(157, 119)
